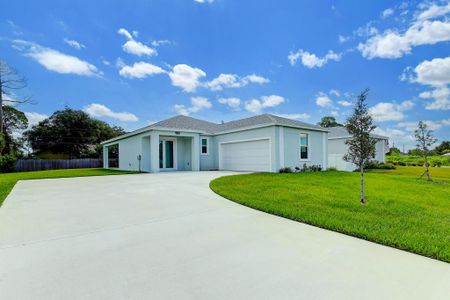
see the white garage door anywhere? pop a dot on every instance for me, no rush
(245, 156)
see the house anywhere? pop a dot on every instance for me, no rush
(337, 148)
(263, 143)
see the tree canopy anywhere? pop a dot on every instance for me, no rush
(328, 121)
(14, 122)
(71, 132)
(443, 148)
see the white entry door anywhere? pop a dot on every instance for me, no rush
(245, 156)
(168, 154)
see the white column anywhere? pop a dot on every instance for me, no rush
(325, 150)
(154, 152)
(105, 157)
(195, 151)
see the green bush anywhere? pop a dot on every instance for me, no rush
(286, 170)
(7, 163)
(379, 165)
(411, 160)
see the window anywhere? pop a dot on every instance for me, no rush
(205, 146)
(304, 144)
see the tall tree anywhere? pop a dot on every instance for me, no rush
(328, 121)
(10, 83)
(15, 122)
(71, 132)
(425, 139)
(361, 147)
(443, 148)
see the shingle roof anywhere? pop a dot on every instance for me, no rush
(341, 132)
(188, 123)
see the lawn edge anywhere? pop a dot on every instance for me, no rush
(326, 228)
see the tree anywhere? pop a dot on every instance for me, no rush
(425, 139)
(10, 83)
(361, 147)
(71, 132)
(443, 148)
(328, 121)
(393, 151)
(14, 121)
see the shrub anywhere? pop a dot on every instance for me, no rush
(332, 169)
(286, 170)
(379, 165)
(7, 163)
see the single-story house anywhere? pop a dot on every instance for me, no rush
(263, 143)
(337, 148)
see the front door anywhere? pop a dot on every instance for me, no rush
(167, 154)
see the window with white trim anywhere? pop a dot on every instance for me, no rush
(205, 146)
(304, 146)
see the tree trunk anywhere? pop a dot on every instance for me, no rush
(426, 168)
(2, 139)
(361, 170)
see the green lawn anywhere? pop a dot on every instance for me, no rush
(8, 180)
(402, 211)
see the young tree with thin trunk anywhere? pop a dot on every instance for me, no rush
(361, 146)
(425, 139)
(10, 82)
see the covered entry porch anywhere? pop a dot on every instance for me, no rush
(177, 151)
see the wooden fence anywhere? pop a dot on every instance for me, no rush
(24, 165)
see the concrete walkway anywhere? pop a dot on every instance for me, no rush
(168, 236)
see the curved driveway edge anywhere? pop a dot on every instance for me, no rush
(168, 236)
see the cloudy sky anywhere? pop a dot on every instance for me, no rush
(135, 62)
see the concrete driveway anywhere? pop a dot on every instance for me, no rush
(168, 236)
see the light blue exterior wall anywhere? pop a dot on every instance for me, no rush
(284, 148)
(208, 161)
(317, 152)
(251, 134)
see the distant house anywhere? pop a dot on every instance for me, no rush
(337, 148)
(263, 143)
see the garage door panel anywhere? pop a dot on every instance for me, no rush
(246, 156)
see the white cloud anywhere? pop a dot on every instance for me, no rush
(100, 110)
(186, 77)
(387, 13)
(425, 29)
(234, 81)
(387, 111)
(157, 43)
(135, 47)
(140, 70)
(74, 44)
(34, 118)
(302, 116)
(197, 104)
(232, 102)
(434, 11)
(335, 92)
(56, 61)
(395, 135)
(441, 98)
(434, 73)
(310, 60)
(256, 105)
(343, 39)
(446, 122)
(344, 103)
(411, 126)
(323, 100)
(204, 1)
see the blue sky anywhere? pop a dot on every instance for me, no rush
(137, 62)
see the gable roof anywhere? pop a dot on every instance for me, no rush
(188, 123)
(340, 132)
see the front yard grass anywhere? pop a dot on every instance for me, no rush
(402, 211)
(8, 180)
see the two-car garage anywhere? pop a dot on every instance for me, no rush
(250, 155)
